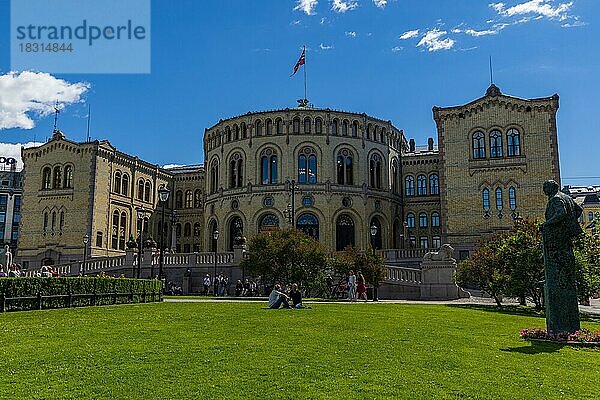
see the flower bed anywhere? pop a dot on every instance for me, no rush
(583, 336)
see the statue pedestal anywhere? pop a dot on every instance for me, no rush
(437, 281)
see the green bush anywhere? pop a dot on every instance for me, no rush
(107, 290)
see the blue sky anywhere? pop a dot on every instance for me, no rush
(394, 60)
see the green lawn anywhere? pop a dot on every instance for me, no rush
(334, 351)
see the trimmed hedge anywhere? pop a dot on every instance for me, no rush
(84, 291)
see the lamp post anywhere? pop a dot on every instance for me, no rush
(174, 220)
(141, 212)
(163, 195)
(373, 234)
(215, 237)
(292, 206)
(86, 240)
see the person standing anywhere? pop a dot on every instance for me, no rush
(361, 287)
(351, 286)
(206, 284)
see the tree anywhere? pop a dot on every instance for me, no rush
(587, 261)
(371, 265)
(286, 256)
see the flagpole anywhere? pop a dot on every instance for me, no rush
(304, 51)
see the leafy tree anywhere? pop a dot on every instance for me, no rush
(286, 256)
(587, 261)
(371, 265)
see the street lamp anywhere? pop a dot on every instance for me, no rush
(174, 220)
(373, 234)
(86, 240)
(215, 237)
(163, 196)
(292, 207)
(141, 212)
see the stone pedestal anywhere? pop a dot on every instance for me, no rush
(437, 282)
(129, 260)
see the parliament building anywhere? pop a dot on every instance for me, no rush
(331, 174)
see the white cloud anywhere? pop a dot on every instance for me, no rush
(542, 8)
(171, 166)
(342, 6)
(397, 49)
(380, 3)
(296, 22)
(473, 32)
(26, 93)
(351, 34)
(409, 34)
(434, 41)
(325, 46)
(306, 6)
(13, 150)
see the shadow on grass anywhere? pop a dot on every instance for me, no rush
(522, 311)
(536, 348)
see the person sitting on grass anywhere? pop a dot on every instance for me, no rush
(296, 296)
(277, 298)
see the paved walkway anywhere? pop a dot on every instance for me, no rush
(591, 310)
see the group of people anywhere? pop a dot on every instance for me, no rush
(357, 287)
(221, 286)
(14, 271)
(279, 298)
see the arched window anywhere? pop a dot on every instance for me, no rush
(486, 199)
(375, 171)
(512, 198)
(268, 163)
(410, 220)
(115, 231)
(345, 124)
(409, 185)
(197, 229)
(423, 220)
(435, 219)
(188, 199)
(125, 185)
(268, 222)
(61, 223)
(422, 185)
(45, 223)
(244, 131)
(496, 144)
(279, 126)
(318, 125)
(236, 228)
(197, 198)
(369, 131)
(140, 193)
(68, 177)
(334, 126)
(307, 125)
(47, 178)
(513, 140)
(499, 203)
(117, 185)
(307, 166)
(394, 176)
(258, 126)
(344, 232)
(147, 191)
(187, 229)
(296, 125)
(179, 199)
(235, 171)
(345, 166)
(228, 134)
(478, 145)
(434, 184)
(309, 225)
(355, 129)
(236, 132)
(383, 135)
(57, 181)
(122, 230)
(269, 126)
(214, 176)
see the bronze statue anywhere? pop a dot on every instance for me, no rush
(560, 288)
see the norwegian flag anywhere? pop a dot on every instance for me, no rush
(299, 63)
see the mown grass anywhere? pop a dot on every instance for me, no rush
(334, 351)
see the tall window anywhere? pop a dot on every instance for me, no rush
(258, 126)
(424, 242)
(434, 184)
(345, 166)
(423, 220)
(345, 124)
(435, 219)
(499, 203)
(115, 231)
(122, 230)
(486, 199)
(214, 176)
(235, 171)
(279, 126)
(478, 145)
(47, 178)
(410, 220)
(409, 185)
(496, 144)
(148, 189)
(57, 181)
(125, 185)
(188, 199)
(307, 166)
(269, 126)
(69, 177)
(422, 185)
(307, 125)
(61, 222)
(117, 184)
(197, 198)
(394, 176)
(296, 125)
(355, 129)
(318, 125)
(268, 162)
(236, 134)
(244, 131)
(375, 171)
(179, 199)
(228, 134)
(140, 189)
(334, 126)
(513, 142)
(369, 130)
(45, 223)
(436, 242)
(187, 229)
(344, 232)
(512, 198)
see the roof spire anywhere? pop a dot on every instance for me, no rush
(56, 112)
